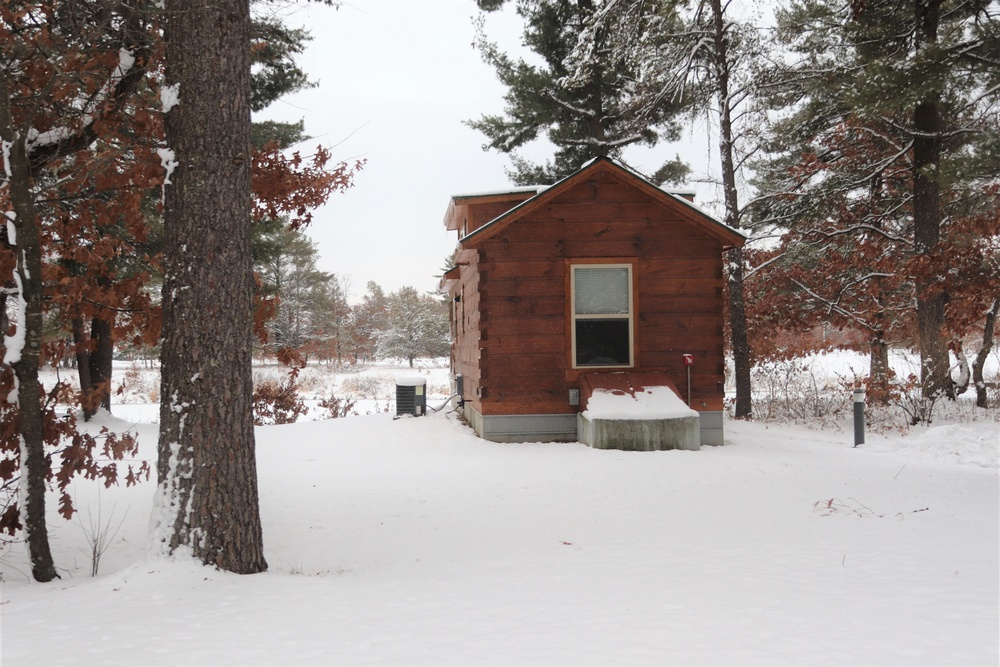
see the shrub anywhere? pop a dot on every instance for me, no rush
(336, 408)
(277, 403)
(368, 386)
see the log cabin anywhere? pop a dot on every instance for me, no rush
(600, 283)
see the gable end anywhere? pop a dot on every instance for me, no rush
(603, 166)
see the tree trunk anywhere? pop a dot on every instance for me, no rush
(94, 366)
(101, 359)
(25, 362)
(738, 336)
(81, 342)
(934, 367)
(989, 329)
(207, 496)
(737, 310)
(3, 311)
(878, 370)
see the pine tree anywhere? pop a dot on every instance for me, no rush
(303, 291)
(916, 84)
(366, 323)
(207, 498)
(113, 302)
(416, 326)
(331, 315)
(83, 86)
(273, 75)
(587, 97)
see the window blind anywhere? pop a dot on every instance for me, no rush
(601, 290)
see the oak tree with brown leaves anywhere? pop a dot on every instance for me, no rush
(81, 195)
(68, 73)
(887, 138)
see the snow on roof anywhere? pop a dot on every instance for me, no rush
(515, 189)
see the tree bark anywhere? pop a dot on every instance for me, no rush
(25, 364)
(878, 370)
(935, 376)
(94, 363)
(989, 329)
(737, 309)
(738, 336)
(934, 366)
(3, 311)
(101, 359)
(81, 342)
(207, 499)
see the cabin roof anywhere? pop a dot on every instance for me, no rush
(543, 195)
(513, 190)
(450, 278)
(458, 207)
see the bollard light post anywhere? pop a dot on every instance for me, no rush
(859, 417)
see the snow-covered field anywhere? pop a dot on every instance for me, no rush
(410, 541)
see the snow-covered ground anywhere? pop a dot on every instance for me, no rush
(411, 541)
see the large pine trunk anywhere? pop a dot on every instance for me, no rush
(737, 304)
(207, 496)
(934, 366)
(743, 408)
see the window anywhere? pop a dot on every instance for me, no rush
(602, 314)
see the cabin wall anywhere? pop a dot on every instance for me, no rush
(465, 322)
(525, 367)
(466, 325)
(480, 214)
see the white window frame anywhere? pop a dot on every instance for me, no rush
(610, 316)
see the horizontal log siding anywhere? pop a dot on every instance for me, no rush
(525, 365)
(483, 213)
(465, 347)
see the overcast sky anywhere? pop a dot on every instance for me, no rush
(397, 78)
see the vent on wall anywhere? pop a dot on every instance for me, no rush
(411, 396)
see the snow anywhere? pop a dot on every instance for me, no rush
(650, 403)
(125, 62)
(47, 138)
(5, 147)
(169, 96)
(168, 160)
(14, 344)
(504, 191)
(413, 542)
(11, 219)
